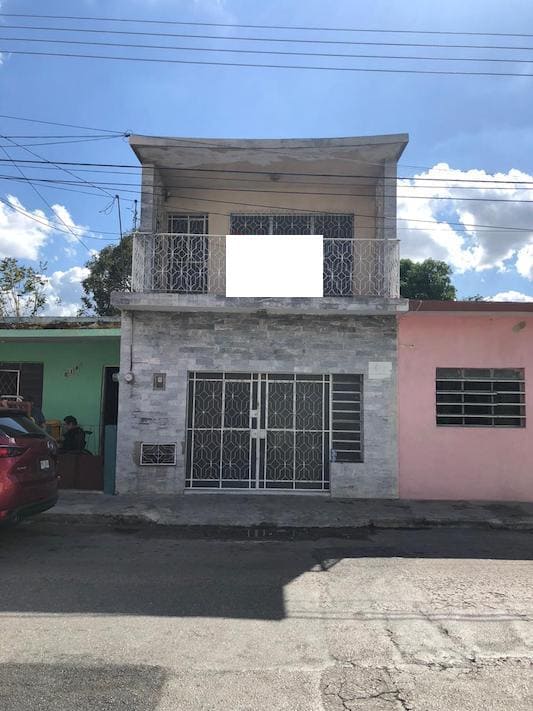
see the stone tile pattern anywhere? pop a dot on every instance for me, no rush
(181, 342)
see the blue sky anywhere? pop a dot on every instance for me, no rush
(467, 123)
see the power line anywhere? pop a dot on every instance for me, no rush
(164, 190)
(462, 225)
(59, 167)
(58, 217)
(63, 125)
(71, 55)
(85, 164)
(299, 211)
(225, 214)
(54, 187)
(267, 27)
(382, 217)
(498, 228)
(290, 40)
(47, 223)
(205, 142)
(440, 226)
(204, 186)
(334, 55)
(53, 135)
(79, 140)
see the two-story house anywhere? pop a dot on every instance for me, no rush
(262, 394)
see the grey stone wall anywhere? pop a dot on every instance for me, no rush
(176, 343)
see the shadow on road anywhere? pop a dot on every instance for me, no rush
(58, 568)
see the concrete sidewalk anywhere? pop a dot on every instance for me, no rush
(298, 516)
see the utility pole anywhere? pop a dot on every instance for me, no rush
(135, 215)
(117, 198)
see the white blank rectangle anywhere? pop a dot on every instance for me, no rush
(274, 266)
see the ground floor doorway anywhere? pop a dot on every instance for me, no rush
(280, 431)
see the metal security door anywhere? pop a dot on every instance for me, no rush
(294, 432)
(258, 431)
(221, 448)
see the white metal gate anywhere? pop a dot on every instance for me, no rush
(258, 431)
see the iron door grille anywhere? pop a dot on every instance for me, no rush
(270, 430)
(221, 417)
(480, 397)
(294, 432)
(182, 256)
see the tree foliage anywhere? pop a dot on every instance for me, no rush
(21, 289)
(110, 270)
(430, 279)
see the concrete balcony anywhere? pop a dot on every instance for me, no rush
(187, 272)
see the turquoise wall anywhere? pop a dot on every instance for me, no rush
(73, 373)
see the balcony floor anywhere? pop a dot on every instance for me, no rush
(324, 306)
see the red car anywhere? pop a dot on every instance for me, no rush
(28, 478)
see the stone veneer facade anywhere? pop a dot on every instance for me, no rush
(175, 343)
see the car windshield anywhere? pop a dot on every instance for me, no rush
(13, 425)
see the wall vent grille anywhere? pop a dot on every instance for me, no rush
(158, 454)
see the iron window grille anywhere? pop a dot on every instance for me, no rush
(188, 224)
(20, 378)
(480, 397)
(158, 454)
(346, 417)
(10, 382)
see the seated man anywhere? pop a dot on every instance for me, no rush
(74, 437)
(36, 412)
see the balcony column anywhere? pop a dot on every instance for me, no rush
(386, 227)
(152, 201)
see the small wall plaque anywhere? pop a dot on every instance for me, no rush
(159, 381)
(379, 370)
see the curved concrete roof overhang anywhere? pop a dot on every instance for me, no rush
(354, 158)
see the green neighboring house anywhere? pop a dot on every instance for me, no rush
(66, 365)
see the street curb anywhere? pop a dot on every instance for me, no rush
(262, 530)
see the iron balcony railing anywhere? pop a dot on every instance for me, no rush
(196, 264)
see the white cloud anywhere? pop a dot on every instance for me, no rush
(65, 222)
(22, 235)
(24, 232)
(63, 291)
(474, 247)
(510, 296)
(524, 262)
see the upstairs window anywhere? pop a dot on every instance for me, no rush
(188, 224)
(338, 233)
(480, 397)
(181, 257)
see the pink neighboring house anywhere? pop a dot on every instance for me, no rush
(482, 446)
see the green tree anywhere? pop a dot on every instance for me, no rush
(21, 289)
(110, 270)
(430, 279)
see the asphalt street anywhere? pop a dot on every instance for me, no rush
(106, 618)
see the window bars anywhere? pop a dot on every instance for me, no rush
(480, 397)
